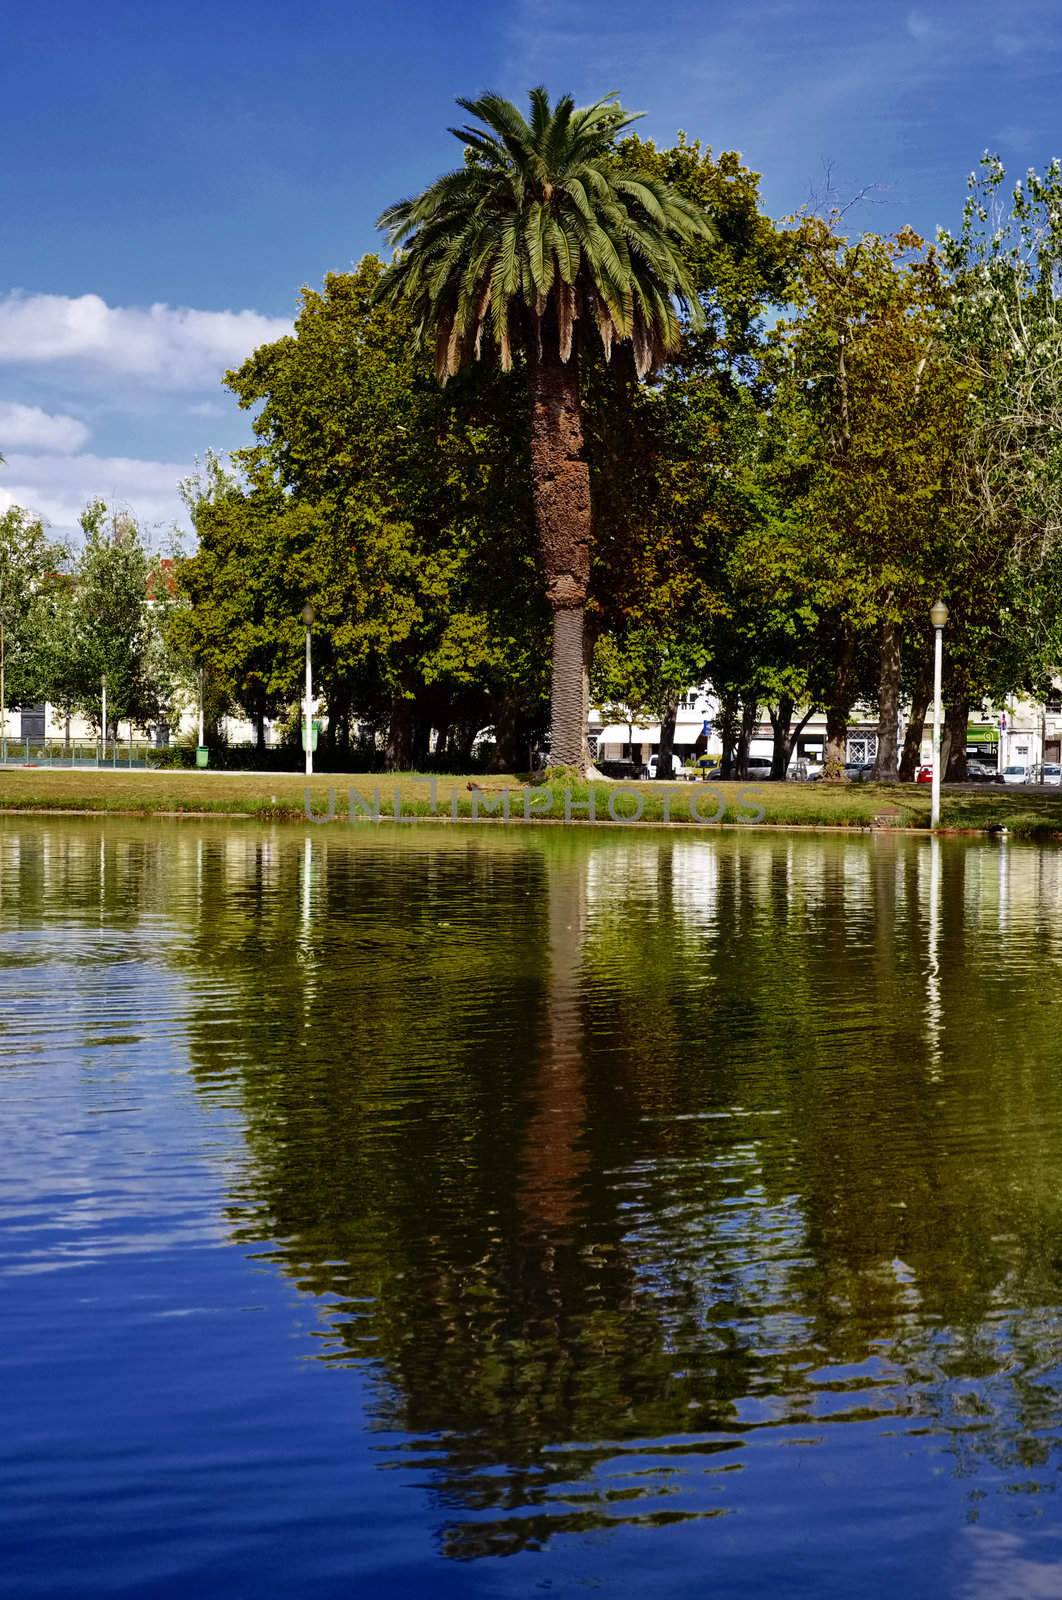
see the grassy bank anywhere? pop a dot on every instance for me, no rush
(281, 796)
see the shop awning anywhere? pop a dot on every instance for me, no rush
(618, 733)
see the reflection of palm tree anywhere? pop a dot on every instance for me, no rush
(606, 1185)
(552, 1160)
(449, 1213)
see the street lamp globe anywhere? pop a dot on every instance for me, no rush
(938, 614)
(308, 614)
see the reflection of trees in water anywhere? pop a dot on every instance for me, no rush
(586, 1144)
(438, 1168)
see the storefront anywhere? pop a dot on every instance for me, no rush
(982, 743)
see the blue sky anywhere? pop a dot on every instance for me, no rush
(172, 173)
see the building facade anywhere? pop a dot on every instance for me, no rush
(1020, 732)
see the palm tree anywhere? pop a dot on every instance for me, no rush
(544, 231)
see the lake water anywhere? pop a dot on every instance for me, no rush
(489, 1212)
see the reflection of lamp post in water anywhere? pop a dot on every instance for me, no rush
(933, 1005)
(938, 616)
(307, 617)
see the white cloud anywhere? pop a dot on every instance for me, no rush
(918, 25)
(175, 347)
(30, 428)
(134, 358)
(57, 487)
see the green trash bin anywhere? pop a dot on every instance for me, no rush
(202, 755)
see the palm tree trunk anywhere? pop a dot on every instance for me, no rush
(560, 481)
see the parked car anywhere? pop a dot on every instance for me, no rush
(859, 771)
(1019, 772)
(804, 769)
(977, 772)
(1053, 773)
(759, 769)
(654, 761)
(924, 775)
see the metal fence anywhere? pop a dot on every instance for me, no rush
(123, 753)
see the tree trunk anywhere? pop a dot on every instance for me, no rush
(781, 721)
(748, 723)
(885, 764)
(260, 726)
(953, 754)
(560, 480)
(665, 749)
(834, 760)
(921, 695)
(462, 738)
(782, 754)
(399, 756)
(339, 719)
(421, 740)
(839, 708)
(728, 732)
(506, 756)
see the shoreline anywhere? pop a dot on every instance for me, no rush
(340, 799)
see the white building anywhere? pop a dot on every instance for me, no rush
(1020, 732)
(47, 724)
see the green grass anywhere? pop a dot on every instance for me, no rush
(280, 796)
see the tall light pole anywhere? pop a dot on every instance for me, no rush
(307, 617)
(103, 712)
(938, 616)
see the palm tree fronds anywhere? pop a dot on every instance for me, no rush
(542, 224)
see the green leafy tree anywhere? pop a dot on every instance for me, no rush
(58, 674)
(234, 625)
(29, 564)
(543, 234)
(113, 634)
(629, 680)
(1005, 327)
(867, 420)
(401, 510)
(675, 493)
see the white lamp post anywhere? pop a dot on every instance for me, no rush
(938, 616)
(103, 712)
(307, 617)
